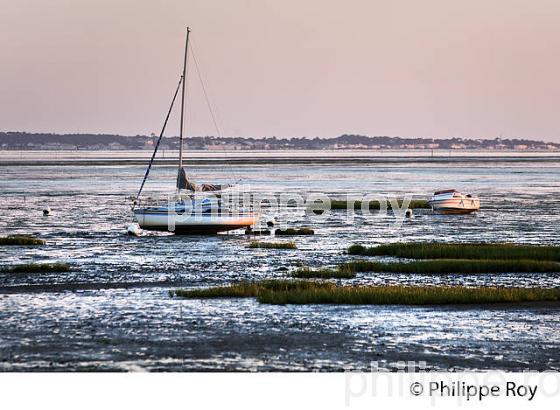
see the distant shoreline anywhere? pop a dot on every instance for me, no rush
(19, 140)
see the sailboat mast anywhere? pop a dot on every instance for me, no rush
(183, 106)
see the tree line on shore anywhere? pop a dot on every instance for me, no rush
(34, 141)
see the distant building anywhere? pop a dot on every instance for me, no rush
(116, 146)
(215, 147)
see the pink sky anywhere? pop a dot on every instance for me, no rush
(442, 68)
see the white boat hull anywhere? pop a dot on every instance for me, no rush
(194, 224)
(455, 205)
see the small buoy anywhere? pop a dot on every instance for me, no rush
(408, 213)
(46, 211)
(271, 222)
(133, 230)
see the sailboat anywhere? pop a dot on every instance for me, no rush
(192, 209)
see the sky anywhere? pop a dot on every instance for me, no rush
(430, 68)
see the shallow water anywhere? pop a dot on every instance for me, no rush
(138, 326)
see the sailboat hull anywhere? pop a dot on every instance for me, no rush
(193, 224)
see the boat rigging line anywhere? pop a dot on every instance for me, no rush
(204, 91)
(158, 142)
(209, 104)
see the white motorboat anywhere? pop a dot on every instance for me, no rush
(451, 201)
(191, 209)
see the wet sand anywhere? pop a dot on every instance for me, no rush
(146, 330)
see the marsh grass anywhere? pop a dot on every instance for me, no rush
(37, 268)
(294, 232)
(448, 266)
(460, 251)
(375, 205)
(239, 290)
(276, 291)
(25, 240)
(408, 295)
(273, 245)
(323, 273)
(248, 289)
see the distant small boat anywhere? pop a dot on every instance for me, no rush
(197, 209)
(451, 201)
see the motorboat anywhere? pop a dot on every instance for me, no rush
(451, 201)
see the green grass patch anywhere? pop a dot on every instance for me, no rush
(460, 251)
(294, 232)
(323, 273)
(312, 292)
(247, 289)
(376, 205)
(273, 245)
(446, 266)
(37, 267)
(25, 240)
(408, 295)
